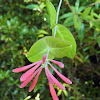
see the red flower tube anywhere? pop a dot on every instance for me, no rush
(28, 75)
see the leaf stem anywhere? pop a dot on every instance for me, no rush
(57, 17)
(55, 27)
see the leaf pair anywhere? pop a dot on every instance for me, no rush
(58, 48)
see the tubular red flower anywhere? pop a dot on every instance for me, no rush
(44, 58)
(60, 64)
(53, 92)
(17, 70)
(55, 80)
(29, 72)
(49, 78)
(30, 78)
(61, 76)
(35, 81)
(28, 75)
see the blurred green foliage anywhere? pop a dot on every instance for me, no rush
(22, 22)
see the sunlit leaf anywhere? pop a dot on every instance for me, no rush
(42, 32)
(86, 12)
(27, 98)
(59, 92)
(64, 34)
(66, 15)
(51, 12)
(65, 93)
(58, 49)
(32, 6)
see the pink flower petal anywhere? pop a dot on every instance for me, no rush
(49, 78)
(44, 58)
(29, 72)
(60, 64)
(53, 92)
(30, 78)
(17, 70)
(61, 76)
(55, 80)
(34, 81)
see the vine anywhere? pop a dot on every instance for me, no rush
(60, 44)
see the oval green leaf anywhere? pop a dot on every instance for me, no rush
(52, 13)
(64, 34)
(58, 49)
(86, 12)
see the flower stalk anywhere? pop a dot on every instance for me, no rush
(55, 26)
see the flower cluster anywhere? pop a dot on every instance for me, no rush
(28, 75)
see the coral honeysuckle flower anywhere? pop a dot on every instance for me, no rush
(28, 75)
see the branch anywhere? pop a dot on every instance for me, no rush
(92, 4)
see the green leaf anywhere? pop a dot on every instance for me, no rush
(64, 34)
(77, 22)
(77, 4)
(66, 15)
(32, 6)
(68, 21)
(81, 9)
(59, 92)
(86, 12)
(81, 32)
(98, 41)
(40, 35)
(8, 23)
(27, 98)
(42, 32)
(65, 93)
(51, 12)
(42, 5)
(58, 49)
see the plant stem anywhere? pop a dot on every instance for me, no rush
(93, 4)
(57, 17)
(72, 9)
(55, 28)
